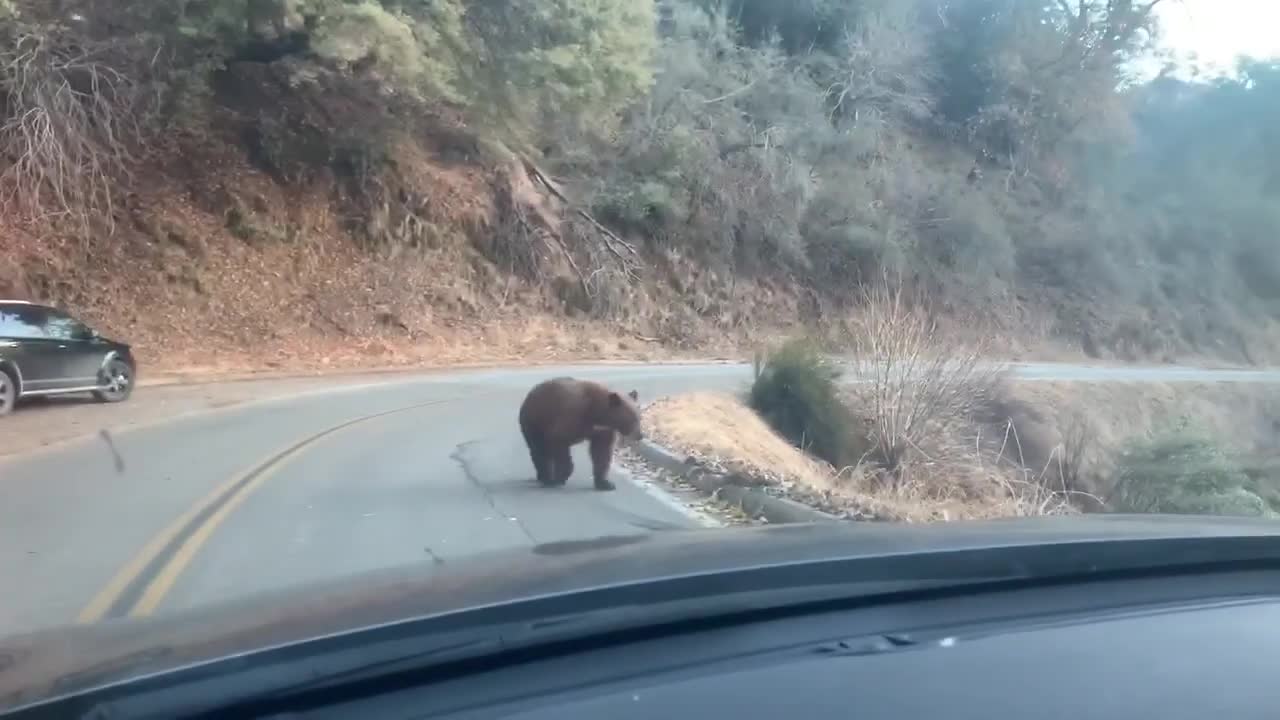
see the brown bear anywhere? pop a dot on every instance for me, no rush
(562, 412)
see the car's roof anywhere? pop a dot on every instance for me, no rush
(62, 660)
(15, 302)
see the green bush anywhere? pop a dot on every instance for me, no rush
(795, 392)
(1183, 471)
(643, 207)
(544, 69)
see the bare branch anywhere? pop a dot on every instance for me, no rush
(614, 244)
(731, 94)
(68, 131)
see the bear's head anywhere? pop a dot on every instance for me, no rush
(621, 414)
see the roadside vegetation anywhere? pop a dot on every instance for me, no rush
(796, 392)
(919, 422)
(996, 448)
(1183, 469)
(393, 178)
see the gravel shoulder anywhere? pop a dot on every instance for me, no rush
(711, 511)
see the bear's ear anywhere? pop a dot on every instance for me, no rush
(635, 396)
(614, 399)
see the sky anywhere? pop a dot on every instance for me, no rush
(1218, 31)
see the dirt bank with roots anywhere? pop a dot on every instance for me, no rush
(216, 264)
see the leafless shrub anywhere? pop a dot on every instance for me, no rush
(927, 398)
(69, 124)
(914, 382)
(885, 69)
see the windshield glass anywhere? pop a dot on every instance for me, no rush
(294, 290)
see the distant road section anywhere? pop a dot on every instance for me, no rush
(1064, 372)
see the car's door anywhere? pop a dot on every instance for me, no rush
(80, 352)
(23, 341)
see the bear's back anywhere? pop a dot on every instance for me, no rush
(564, 407)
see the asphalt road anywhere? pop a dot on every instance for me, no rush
(408, 469)
(265, 495)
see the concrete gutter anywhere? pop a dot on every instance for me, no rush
(753, 501)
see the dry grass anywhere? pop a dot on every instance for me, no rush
(987, 477)
(719, 430)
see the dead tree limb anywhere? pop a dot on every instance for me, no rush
(614, 244)
(70, 124)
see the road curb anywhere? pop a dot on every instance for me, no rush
(753, 501)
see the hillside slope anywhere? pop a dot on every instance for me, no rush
(223, 254)
(289, 183)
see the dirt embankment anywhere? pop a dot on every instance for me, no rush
(237, 251)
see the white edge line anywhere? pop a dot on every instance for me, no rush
(659, 493)
(671, 501)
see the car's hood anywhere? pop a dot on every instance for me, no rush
(55, 662)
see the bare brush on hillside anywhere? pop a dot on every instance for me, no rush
(961, 473)
(69, 121)
(913, 381)
(924, 398)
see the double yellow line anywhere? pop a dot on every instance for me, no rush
(142, 584)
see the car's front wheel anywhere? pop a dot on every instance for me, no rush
(117, 382)
(8, 392)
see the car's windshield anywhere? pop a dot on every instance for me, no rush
(293, 290)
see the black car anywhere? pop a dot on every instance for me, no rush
(44, 351)
(1102, 616)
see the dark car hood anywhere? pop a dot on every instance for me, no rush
(52, 663)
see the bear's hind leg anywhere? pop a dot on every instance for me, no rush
(541, 459)
(561, 462)
(602, 440)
